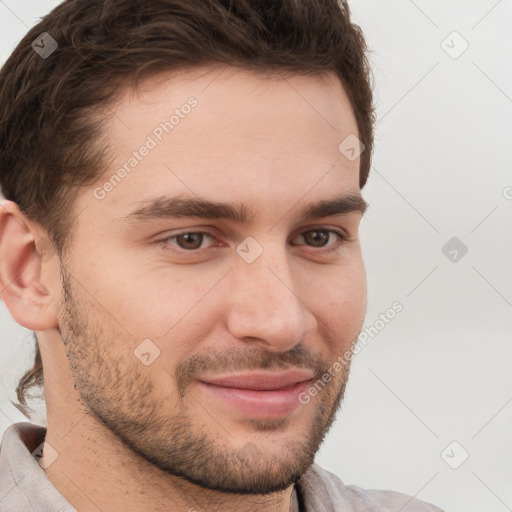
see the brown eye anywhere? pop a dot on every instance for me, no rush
(317, 238)
(320, 238)
(189, 241)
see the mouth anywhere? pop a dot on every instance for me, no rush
(258, 394)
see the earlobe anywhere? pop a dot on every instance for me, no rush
(29, 301)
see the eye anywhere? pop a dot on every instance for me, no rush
(188, 241)
(320, 237)
(192, 241)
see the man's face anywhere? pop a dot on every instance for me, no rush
(235, 316)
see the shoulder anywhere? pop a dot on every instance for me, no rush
(323, 488)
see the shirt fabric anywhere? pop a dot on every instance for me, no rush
(24, 486)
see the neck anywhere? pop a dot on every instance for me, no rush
(95, 472)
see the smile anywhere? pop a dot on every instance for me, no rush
(259, 394)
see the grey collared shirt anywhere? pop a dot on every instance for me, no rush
(24, 486)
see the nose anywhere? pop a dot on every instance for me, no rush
(264, 304)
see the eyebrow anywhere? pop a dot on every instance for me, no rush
(165, 207)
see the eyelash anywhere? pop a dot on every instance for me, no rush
(342, 238)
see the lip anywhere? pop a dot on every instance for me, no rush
(259, 394)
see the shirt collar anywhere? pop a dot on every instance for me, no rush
(23, 481)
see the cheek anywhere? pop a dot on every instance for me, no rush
(176, 313)
(153, 303)
(341, 305)
(352, 295)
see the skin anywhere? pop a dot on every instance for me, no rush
(123, 430)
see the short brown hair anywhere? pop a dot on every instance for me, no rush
(51, 109)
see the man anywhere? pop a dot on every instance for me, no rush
(180, 230)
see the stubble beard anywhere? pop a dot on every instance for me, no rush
(117, 393)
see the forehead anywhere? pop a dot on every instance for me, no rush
(220, 81)
(259, 102)
(220, 132)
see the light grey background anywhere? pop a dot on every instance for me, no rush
(439, 372)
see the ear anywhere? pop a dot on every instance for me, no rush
(29, 301)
